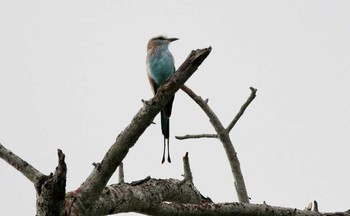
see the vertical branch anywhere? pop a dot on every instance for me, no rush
(51, 190)
(187, 170)
(121, 173)
(227, 144)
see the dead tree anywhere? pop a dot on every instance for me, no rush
(147, 196)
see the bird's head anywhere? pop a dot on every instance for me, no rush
(160, 41)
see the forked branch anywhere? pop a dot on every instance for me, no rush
(223, 135)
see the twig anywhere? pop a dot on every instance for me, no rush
(227, 144)
(196, 136)
(18, 163)
(187, 170)
(121, 173)
(243, 108)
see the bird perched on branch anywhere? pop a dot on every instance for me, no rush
(160, 66)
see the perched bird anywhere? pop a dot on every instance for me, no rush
(160, 66)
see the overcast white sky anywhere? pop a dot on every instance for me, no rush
(72, 75)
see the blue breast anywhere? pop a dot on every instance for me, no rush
(160, 66)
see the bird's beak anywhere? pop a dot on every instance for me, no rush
(173, 39)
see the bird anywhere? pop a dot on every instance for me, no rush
(160, 67)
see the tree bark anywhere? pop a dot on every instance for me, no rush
(51, 190)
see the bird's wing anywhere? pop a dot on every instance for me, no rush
(168, 107)
(153, 85)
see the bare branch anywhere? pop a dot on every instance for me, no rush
(196, 136)
(227, 144)
(214, 120)
(143, 196)
(187, 170)
(121, 173)
(172, 197)
(242, 209)
(18, 163)
(92, 187)
(243, 108)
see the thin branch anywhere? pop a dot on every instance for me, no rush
(18, 163)
(227, 144)
(92, 187)
(241, 111)
(196, 136)
(205, 107)
(230, 126)
(121, 173)
(187, 169)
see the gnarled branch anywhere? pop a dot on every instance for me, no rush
(143, 196)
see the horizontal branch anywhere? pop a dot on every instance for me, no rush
(21, 165)
(242, 209)
(196, 136)
(174, 197)
(142, 196)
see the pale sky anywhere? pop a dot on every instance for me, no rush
(72, 76)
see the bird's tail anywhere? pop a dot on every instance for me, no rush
(165, 115)
(165, 131)
(165, 125)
